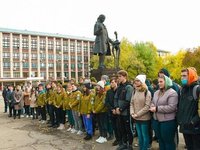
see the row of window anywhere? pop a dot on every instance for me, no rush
(16, 65)
(34, 42)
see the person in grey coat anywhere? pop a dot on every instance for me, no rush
(18, 96)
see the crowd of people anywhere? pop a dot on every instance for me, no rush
(119, 108)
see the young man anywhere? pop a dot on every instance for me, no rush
(5, 90)
(10, 99)
(41, 102)
(187, 116)
(122, 109)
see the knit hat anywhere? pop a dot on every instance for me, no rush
(104, 77)
(87, 83)
(165, 72)
(101, 84)
(141, 78)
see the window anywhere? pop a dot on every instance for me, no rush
(42, 44)
(50, 65)
(85, 58)
(42, 56)
(65, 45)
(72, 66)
(33, 56)
(15, 43)
(16, 74)
(58, 57)
(79, 66)
(85, 47)
(6, 74)
(25, 55)
(91, 47)
(78, 47)
(6, 65)
(42, 65)
(50, 56)
(79, 58)
(25, 43)
(6, 42)
(72, 58)
(72, 46)
(86, 66)
(6, 55)
(15, 65)
(58, 46)
(58, 74)
(50, 45)
(65, 57)
(16, 55)
(25, 65)
(34, 65)
(66, 66)
(42, 74)
(33, 44)
(50, 74)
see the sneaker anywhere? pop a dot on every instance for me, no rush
(121, 147)
(27, 116)
(110, 138)
(61, 127)
(98, 139)
(88, 137)
(79, 132)
(73, 131)
(115, 143)
(22, 116)
(31, 116)
(69, 129)
(43, 122)
(102, 140)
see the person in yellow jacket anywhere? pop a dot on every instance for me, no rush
(74, 105)
(68, 98)
(41, 98)
(58, 103)
(86, 109)
(100, 110)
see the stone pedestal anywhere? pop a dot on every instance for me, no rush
(97, 73)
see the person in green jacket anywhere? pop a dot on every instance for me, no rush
(58, 103)
(85, 109)
(41, 99)
(100, 110)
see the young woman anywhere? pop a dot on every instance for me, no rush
(85, 109)
(27, 102)
(164, 107)
(18, 96)
(33, 102)
(139, 110)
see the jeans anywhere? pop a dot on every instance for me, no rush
(77, 121)
(166, 133)
(143, 134)
(192, 141)
(102, 119)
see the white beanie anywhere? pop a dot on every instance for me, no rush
(101, 84)
(142, 78)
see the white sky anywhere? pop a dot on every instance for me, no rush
(169, 24)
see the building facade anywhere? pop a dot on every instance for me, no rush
(26, 54)
(163, 53)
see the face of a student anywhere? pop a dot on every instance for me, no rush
(161, 83)
(121, 79)
(113, 84)
(69, 88)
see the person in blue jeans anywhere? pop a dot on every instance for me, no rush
(164, 106)
(139, 110)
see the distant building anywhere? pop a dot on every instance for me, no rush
(26, 54)
(162, 53)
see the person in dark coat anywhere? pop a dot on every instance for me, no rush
(5, 90)
(10, 99)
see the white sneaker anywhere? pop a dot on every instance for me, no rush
(22, 116)
(73, 131)
(102, 140)
(98, 139)
(79, 132)
(69, 129)
(59, 127)
(27, 116)
(43, 122)
(62, 127)
(31, 116)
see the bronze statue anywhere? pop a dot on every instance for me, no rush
(116, 51)
(102, 46)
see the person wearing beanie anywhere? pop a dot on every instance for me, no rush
(85, 109)
(187, 115)
(139, 110)
(100, 111)
(164, 108)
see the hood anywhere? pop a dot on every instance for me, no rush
(168, 82)
(192, 75)
(148, 83)
(165, 71)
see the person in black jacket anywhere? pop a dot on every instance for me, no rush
(109, 102)
(10, 99)
(5, 100)
(187, 115)
(122, 109)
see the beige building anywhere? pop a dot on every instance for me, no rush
(26, 54)
(163, 53)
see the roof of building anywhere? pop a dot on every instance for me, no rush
(164, 51)
(57, 35)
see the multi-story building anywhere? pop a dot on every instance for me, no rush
(26, 54)
(163, 53)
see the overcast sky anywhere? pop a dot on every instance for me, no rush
(169, 24)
